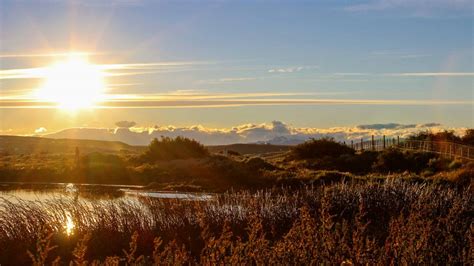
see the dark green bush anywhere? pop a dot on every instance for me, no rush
(102, 168)
(468, 138)
(318, 148)
(394, 160)
(391, 160)
(167, 149)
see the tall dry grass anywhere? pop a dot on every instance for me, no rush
(393, 222)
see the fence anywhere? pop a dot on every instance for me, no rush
(445, 148)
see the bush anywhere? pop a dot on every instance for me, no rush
(320, 148)
(394, 160)
(102, 168)
(391, 160)
(167, 149)
(468, 138)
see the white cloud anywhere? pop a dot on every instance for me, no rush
(276, 132)
(109, 70)
(229, 80)
(40, 130)
(291, 69)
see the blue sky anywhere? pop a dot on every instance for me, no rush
(412, 59)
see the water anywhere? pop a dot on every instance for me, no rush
(44, 192)
(62, 201)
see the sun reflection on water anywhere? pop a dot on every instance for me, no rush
(69, 225)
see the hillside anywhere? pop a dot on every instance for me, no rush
(32, 145)
(245, 149)
(29, 145)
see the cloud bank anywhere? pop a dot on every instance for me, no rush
(276, 132)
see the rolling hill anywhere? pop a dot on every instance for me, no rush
(31, 145)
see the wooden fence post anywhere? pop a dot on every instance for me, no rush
(373, 143)
(361, 144)
(352, 144)
(384, 142)
(398, 140)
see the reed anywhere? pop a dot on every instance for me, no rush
(390, 222)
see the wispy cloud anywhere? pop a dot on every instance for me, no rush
(395, 54)
(405, 74)
(433, 74)
(414, 5)
(291, 69)
(229, 80)
(64, 54)
(220, 101)
(107, 69)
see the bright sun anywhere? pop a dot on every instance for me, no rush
(73, 83)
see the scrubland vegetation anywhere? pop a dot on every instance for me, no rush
(392, 222)
(185, 164)
(321, 202)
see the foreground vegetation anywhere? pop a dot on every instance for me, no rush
(393, 222)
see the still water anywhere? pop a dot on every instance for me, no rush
(65, 201)
(42, 192)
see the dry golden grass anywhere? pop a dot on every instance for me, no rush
(393, 222)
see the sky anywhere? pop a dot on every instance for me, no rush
(223, 64)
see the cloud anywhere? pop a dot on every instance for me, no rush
(399, 54)
(419, 7)
(20, 55)
(432, 74)
(125, 124)
(40, 130)
(108, 70)
(405, 74)
(229, 80)
(276, 132)
(430, 125)
(291, 69)
(398, 126)
(223, 101)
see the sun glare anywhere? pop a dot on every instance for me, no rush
(69, 225)
(73, 83)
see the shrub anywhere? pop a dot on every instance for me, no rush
(102, 168)
(468, 137)
(234, 153)
(394, 160)
(167, 149)
(446, 135)
(391, 160)
(320, 148)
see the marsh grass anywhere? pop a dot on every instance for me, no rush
(390, 222)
